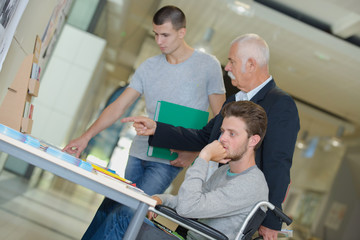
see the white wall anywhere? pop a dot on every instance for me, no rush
(33, 22)
(65, 84)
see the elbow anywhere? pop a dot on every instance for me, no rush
(188, 211)
(184, 212)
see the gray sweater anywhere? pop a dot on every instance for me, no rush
(223, 202)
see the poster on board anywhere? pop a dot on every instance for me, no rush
(10, 15)
(53, 29)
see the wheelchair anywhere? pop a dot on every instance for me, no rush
(246, 232)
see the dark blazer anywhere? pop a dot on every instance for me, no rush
(274, 157)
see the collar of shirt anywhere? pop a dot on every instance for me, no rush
(230, 173)
(243, 96)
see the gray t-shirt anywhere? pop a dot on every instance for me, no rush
(188, 83)
(223, 202)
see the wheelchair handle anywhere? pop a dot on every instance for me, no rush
(282, 215)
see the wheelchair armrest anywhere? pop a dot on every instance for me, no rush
(192, 224)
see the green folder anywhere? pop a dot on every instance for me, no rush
(176, 115)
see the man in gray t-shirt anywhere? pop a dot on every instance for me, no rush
(180, 75)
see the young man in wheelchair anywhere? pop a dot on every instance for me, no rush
(223, 201)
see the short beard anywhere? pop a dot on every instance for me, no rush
(238, 155)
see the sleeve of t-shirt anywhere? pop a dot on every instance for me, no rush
(137, 80)
(215, 77)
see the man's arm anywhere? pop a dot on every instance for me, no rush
(180, 138)
(277, 153)
(167, 136)
(110, 115)
(147, 127)
(184, 159)
(194, 181)
(216, 101)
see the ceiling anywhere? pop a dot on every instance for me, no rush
(320, 68)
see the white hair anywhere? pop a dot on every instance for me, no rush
(252, 46)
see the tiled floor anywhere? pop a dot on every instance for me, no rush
(53, 209)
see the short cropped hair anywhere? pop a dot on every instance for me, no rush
(251, 113)
(170, 14)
